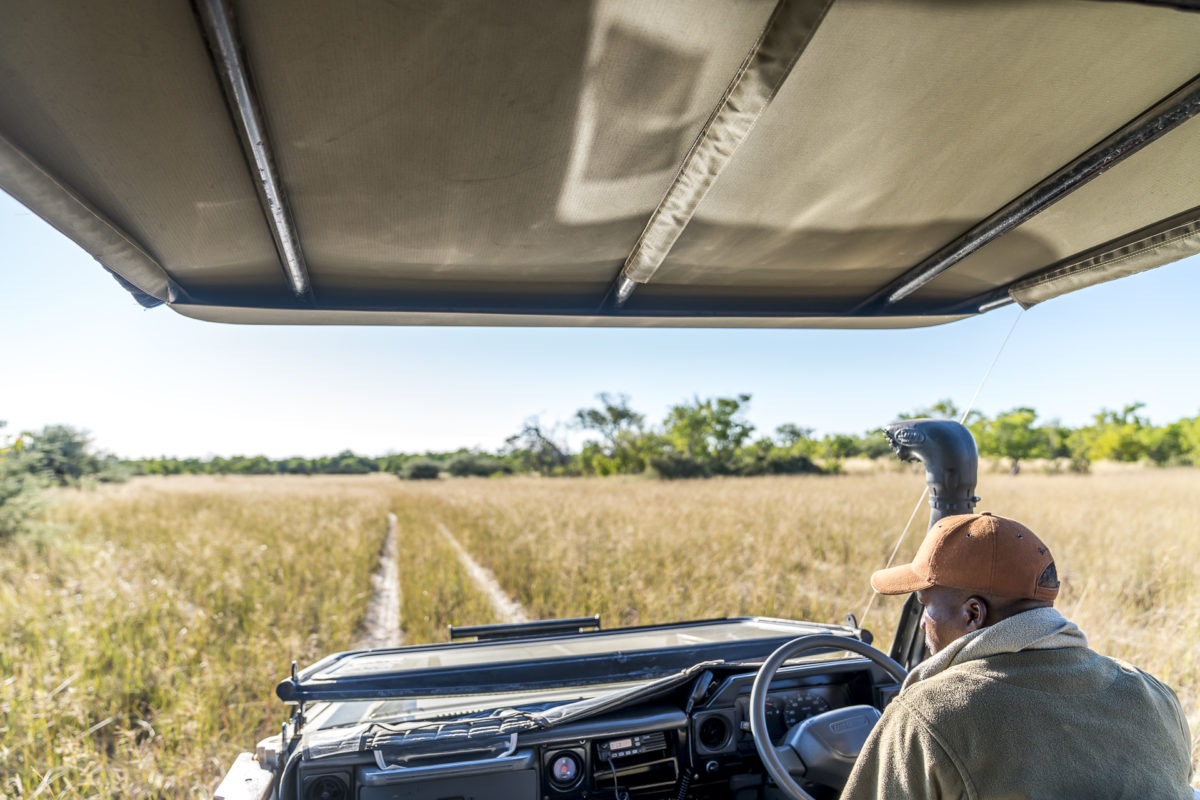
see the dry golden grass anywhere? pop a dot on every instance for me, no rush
(170, 608)
(640, 552)
(435, 591)
(142, 636)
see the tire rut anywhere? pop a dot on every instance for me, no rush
(382, 627)
(506, 608)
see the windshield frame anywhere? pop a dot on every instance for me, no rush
(603, 657)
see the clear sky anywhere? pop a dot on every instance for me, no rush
(75, 348)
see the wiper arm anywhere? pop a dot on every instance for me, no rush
(609, 701)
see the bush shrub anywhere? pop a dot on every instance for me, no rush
(421, 470)
(781, 462)
(480, 465)
(673, 465)
(20, 493)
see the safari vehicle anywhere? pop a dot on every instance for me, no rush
(605, 163)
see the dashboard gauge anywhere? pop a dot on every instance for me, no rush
(776, 724)
(564, 770)
(802, 706)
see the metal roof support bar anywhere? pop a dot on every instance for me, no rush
(786, 35)
(221, 32)
(1161, 118)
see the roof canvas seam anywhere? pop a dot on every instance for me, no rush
(1147, 127)
(753, 87)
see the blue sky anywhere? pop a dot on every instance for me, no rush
(75, 348)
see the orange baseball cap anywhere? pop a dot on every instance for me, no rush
(977, 553)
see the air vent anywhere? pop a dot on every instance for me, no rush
(326, 787)
(654, 741)
(714, 733)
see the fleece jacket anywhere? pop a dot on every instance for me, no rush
(1023, 709)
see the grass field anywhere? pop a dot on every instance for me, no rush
(141, 634)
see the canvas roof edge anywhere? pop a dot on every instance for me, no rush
(256, 315)
(118, 252)
(783, 40)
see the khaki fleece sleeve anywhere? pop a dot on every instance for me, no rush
(902, 760)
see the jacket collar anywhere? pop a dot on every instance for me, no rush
(1036, 629)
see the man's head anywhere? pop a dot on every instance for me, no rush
(973, 570)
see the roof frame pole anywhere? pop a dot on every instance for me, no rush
(786, 35)
(220, 30)
(1149, 126)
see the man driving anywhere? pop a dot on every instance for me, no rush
(1011, 702)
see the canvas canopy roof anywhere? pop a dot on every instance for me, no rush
(752, 163)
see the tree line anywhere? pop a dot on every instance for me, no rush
(697, 438)
(712, 436)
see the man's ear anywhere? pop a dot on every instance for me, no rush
(975, 613)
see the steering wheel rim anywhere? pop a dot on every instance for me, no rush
(762, 682)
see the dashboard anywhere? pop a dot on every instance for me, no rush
(691, 743)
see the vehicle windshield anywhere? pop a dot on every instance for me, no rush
(599, 658)
(414, 709)
(483, 718)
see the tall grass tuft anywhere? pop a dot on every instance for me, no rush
(142, 636)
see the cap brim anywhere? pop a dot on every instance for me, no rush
(899, 580)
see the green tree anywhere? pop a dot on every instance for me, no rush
(790, 434)
(62, 453)
(623, 448)
(796, 441)
(20, 486)
(1117, 435)
(1012, 435)
(708, 432)
(837, 446)
(1189, 434)
(347, 463)
(477, 464)
(942, 409)
(873, 444)
(296, 465)
(533, 449)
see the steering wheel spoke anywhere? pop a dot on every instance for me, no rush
(784, 762)
(790, 760)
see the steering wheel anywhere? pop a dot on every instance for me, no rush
(823, 746)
